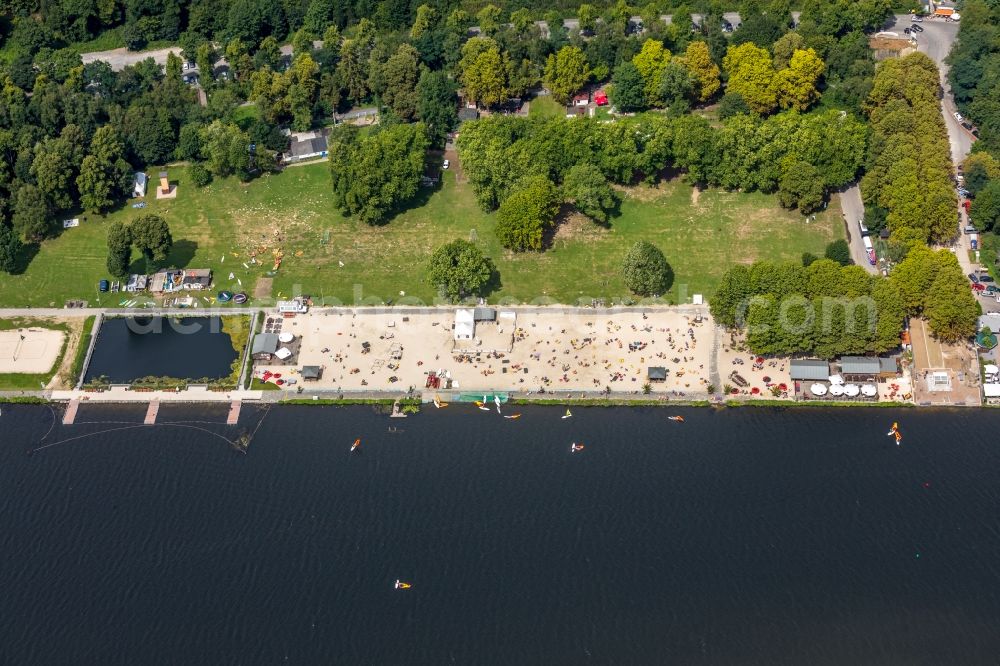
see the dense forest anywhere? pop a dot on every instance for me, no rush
(975, 82)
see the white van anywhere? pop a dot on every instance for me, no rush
(862, 228)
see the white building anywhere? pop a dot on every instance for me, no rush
(465, 324)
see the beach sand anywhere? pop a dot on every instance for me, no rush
(557, 350)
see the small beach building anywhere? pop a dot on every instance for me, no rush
(860, 368)
(294, 306)
(888, 367)
(809, 370)
(465, 324)
(264, 346)
(656, 374)
(197, 279)
(484, 314)
(311, 373)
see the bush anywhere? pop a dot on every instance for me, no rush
(200, 176)
(839, 252)
(646, 271)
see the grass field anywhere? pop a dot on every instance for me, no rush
(221, 225)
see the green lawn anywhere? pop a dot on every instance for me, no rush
(545, 107)
(219, 226)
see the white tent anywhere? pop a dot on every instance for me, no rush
(283, 353)
(285, 337)
(852, 390)
(837, 390)
(869, 390)
(817, 389)
(991, 369)
(991, 390)
(465, 324)
(836, 379)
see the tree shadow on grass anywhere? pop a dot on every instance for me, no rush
(493, 285)
(566, 210)
(418, 200)
(182, 253)
(25, 257)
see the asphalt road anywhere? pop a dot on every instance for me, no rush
(854, 210)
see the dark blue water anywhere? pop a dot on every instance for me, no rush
(739, 537)
(188, 348)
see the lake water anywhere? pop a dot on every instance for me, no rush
(744, 536)
(187, 348)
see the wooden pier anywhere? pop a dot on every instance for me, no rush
(234, 412)
(151, 412)
(70, 416)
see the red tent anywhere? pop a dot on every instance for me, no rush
(600, 98)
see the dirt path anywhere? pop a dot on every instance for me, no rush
(62, 377)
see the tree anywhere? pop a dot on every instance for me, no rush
(400, 75)
(525, 215)
(699, 62)
(425, 19)
(985, 208)
(730, 297)
(590, 192)
(105, 176)
(119, 249)
(785, 47)
(732, 104)
(976, 177)
(627, 92)
(10, 249)
(801, 186)
(677, 86)
(436, 105)
(950, 307)
(151, 237)
(54, 167)
(489, 19)
(651, 60)
(460, 269)
(565, 73)
(646, 271)
(374, 175)
(839, 251)
(302, 42)
(587, 16)
(225, 148)
(32, 214)
(751, 76)
(484, 71)
(796, 85)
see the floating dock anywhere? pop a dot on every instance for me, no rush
(151, 412)
(70, 416)
(234, 412)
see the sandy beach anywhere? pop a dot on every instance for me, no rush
(537, 351)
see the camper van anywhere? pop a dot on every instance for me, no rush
(870, 249)
(862, 228)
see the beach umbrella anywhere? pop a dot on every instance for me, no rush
(782, 387)
(767, 380)
(755, 390)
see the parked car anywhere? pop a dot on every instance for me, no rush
(103, 285)
(958, 116)
(992, 289)
(916, 19)
(446, 164)
(917, 28)
(974, 277)
(985, 277)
